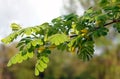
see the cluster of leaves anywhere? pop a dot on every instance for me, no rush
(71, 32)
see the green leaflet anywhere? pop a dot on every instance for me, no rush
(19, 58)
(101, 18)
(41, 64)
(45, 59)
(30, 54)
(10, 38)
(37, 42)
(100, 32)
(104, 2)
(28, 31)
(57, 39)
(44, 26)
(18, 31)
(87, 50)
(15, 27)
(40, 68)
(85, 47)
(36, 72)
(15, 59)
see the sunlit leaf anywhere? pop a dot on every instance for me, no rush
(30, 54)
(15, 27)
(37, 41)
(36, 72)
(40, 68)
(58, 38)
(28, 31)
(45, 59)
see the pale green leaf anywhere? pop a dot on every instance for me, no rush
(37, 41)
(36, 72)
(28, 31)
(28, 46)
(58, 39)
(25, 57)
(30, 54)
(43, 65)
(40, 68)
(15, 27)
(9, 64)
(45, 59)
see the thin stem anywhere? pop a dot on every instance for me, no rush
(114, 21)
(34, 35)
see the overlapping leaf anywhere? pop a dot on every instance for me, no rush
(41, 64)
(57, 39)
(19, 57)
(86, 51)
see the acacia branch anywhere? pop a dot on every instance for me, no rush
(114, 21)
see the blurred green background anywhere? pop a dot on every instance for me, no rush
(63, 65)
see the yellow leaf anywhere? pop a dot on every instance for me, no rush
(72, 50)
(52, 47)
(83, 34)
(73, 25)
(41, 48)
(84, 30)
